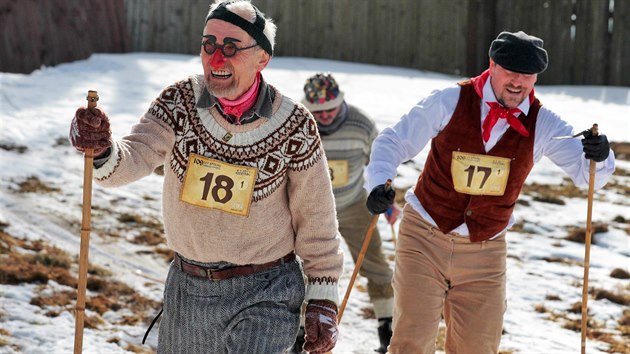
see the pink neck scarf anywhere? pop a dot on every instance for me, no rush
(240, 105)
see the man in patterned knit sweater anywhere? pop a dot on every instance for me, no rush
(486, 135)
(347, 134)
(246, 189)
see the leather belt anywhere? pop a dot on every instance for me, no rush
(227, 273)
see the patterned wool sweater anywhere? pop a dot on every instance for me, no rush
(292, 205)
(350, 145)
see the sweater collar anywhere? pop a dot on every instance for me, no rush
(262, 107)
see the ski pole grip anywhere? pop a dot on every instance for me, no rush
(595, 130)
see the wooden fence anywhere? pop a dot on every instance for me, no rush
(588, 40)
(35, 32)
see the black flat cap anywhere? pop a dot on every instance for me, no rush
(519, 52)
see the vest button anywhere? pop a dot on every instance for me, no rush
(469, 212)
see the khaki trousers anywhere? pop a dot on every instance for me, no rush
(439, 273)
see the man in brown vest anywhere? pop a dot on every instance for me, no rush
(486, 135)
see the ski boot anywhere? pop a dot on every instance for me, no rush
(384, 334)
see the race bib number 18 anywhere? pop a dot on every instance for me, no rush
(219, 185)
(479, 174)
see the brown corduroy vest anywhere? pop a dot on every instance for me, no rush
(484, 215)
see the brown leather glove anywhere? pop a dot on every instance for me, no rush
(320, 326)
(90, 129)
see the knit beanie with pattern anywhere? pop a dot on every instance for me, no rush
(321, 93)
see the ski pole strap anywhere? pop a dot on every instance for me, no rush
(151, 325)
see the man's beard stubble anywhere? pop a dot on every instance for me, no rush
(220, 90)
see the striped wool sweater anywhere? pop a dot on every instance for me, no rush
(292, 205)
(351, 143)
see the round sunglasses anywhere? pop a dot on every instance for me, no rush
(228, 49)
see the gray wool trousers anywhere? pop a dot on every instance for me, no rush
(258, 313)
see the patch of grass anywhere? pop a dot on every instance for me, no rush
(621, 149)
(522, 202)
(117, 295)
(93, 322)
(138, 349)
(540, 308)
(579, 234)
(150, 238)
(563, 260)
(624, 323)
(94, 269)
(8, 243)
(619, 273)
(46, 263)
(551, 191)
(552, 297)
(549, 199)
(165, 253)
(32, 184)
(621, 172)
(138, 220)
(621, 298)
(53, 257)
(131, 320)
(594, 330)
(618, 344)
(21, 268)
(576, 308)
(368, 313)
(101, 304)
(20, 149)
(61, 298)
(621, 188)
(62, 141)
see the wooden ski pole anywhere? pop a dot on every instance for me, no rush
(393, 234)
(357, 266)
(587, 244)
(92, 97)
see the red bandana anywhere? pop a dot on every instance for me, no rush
(243, 103)
(497, 111)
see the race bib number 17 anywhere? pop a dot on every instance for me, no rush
(219, 185)
(479, 174)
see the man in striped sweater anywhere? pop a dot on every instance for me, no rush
(347, 135)
(246, 189)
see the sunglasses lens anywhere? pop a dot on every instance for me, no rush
(209, 47)
(229, 49)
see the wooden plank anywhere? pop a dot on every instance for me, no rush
(558, 42)
(480, 31)
(592, 42)
(619, 60)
